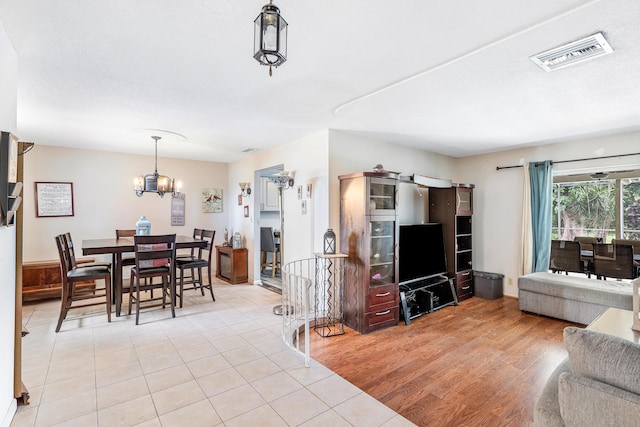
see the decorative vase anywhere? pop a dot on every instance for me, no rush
(143, 226)
(329, 242)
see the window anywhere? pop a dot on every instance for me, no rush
(631, 208)
(606, 208)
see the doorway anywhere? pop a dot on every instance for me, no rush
(267, 214)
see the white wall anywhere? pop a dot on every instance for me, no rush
(104, 198)
(497, 196)
(308, 159)
(349, 153)
(8, 102)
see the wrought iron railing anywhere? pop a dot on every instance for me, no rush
(312, 292)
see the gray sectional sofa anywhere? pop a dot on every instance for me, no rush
(573, 298)
(597, 385)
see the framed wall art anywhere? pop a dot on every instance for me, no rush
(211, 200)
(54, 199)
(177, 210)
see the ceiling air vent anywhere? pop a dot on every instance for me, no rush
(572, 53)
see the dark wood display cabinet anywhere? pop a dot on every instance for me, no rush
(369, 236)
(232, 264)
(453, 208)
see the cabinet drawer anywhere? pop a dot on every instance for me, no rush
(464, 284)
(381, 296)
(381, 319)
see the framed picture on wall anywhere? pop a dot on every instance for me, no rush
(54, 199)
(211, 200)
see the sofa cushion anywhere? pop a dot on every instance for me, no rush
(603, 357)
(585, 402)
(610, 293)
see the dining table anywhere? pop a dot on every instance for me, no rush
(116, 247)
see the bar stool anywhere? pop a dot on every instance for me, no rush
(72, 276)
(195, 264)
(155, 256)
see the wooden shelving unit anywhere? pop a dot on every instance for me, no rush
(453, 208)
(369, 236)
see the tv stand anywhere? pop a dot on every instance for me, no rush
(426, 295)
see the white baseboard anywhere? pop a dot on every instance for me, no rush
(11, 411)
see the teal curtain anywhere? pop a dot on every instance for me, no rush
(541, 178)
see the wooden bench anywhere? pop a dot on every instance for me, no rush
(41, 279)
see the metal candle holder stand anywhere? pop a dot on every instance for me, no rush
(329, 288)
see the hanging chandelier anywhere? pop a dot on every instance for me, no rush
(270, 37)
(154, 182)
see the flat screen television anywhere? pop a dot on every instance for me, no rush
(421, 252)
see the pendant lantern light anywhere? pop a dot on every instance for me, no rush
(270, 37)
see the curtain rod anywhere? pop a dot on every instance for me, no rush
(574, 160)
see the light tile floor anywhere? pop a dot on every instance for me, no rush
(219, 363)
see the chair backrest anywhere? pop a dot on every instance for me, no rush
(197, 234)
(613, 261)
(586, 242)
(63, 253)
(565, 256)
(208, 235)
(155, 251)
(125, 233)
(629, 242)
(71, 253)
(267, 242)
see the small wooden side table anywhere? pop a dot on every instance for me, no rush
(232, 265)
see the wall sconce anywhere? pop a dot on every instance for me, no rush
(245, 188)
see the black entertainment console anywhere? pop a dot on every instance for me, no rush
(426, 295)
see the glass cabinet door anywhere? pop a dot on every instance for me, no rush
(382, 195)
(382, 252)
(464, 202)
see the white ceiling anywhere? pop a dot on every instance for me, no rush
(450, 76)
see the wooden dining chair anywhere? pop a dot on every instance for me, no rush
(614, 261)
(155, 256)
(72, 256)
(194, 264)
(268, 246)
(192, 253)
(71, 277)
(128, 258)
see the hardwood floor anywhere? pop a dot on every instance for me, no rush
(482, 363)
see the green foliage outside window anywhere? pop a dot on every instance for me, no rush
(588, 209)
